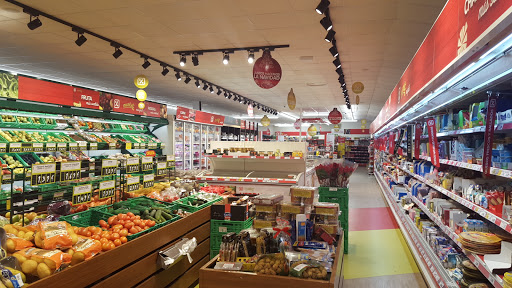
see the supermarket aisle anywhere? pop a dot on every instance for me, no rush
(378, 255)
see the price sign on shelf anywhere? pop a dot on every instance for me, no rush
(43, 174)
(170, 160)
(38, 147)
(93, 146)
(148, 181)
(51, 147)
(27, 147)
(147, 163)
(107, 189)
(14, 147)
(82, 145)
(132, 183)
(3, 147)
(108, 167)
(132, 165)
(136, 145)
(112, 146)
(152, 145)
(161, 168)
(73, 146)
(162, 145)
(128, 145)
(70, 171)
(62, 147)
(82, 194)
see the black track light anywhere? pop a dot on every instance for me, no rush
(187, 79)
(326, 23)
(334, 51)
(339, 71)
(225, 59)
(178, 76)
(218, 91)
(322, 7)
(344, 84)
(165, 70)
(230, 95)
(117, 53)
(250, 58)
(225, 94)
(183, 60)
(146, 63)
(80, 40)
(198, 85)
(337, 62)
(205, 86)
(195, 60)
(211, 90)
(34, 23)
(330, 36)
(235, 98)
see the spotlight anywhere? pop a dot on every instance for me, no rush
(211, 89)
(258, 106)
(146, 63)
(164, 70)
(178, 76)
(205, 87)
(250, 59)
(337, 62)
(330, 36)
(235, 98)
(230, 95)
(334, 50)
(80, 40)
(195, 60)
(339, 71)
(225, 59)
(187, 80)
(117, 53)
(344, 84)
(34, 23)
(322, 7)
(218, 91)
(225, 94)
(198, 85)
(183, 60)
(326, 23)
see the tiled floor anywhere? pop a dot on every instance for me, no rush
(378, 255)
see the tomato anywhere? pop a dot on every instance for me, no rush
(121, 222)
(75, 229)
(118, 226)
(96, 237)
(111, 219)
(92, 229)
(115, 221)
(105, 234)
(130, 214)
(117, 242)
(103, 240)
(114, 236)
(105, 246)
(128, 225)
(138, 228)
(123, 239)
(112, 245)
(145, 228)
(116, 230)
(97, 231)
(137, 222)
(137, 217)
(123, 232)
(88, 234)
(133, 230)
(151, 223)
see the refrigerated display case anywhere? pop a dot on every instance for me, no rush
(178, 145)
(196, 146)
(191, 142)
(187, 156)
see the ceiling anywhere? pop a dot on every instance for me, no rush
(376, 40)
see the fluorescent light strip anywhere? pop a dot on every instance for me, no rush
(319, 114)
(289, 116)
(509, 37)
(255, 117)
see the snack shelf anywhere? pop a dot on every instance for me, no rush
(430, 266)
(502, 223)
(476, 167)
(494, 279)
(479, 129)
(255, 157)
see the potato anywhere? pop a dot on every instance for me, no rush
(38, 259)
(20, 257)
(29, 236)
(51, 264)
(38, 240)
(10, 245)
(74, 238)
(29, 267)
(43, 271)
(70, 251)
(77, 258)
(21, 234)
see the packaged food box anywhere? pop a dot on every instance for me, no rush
(259, 224)
(270, 199)
(290, 208)
(302, 194)
(324, 208)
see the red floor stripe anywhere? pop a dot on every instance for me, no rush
(361, 219)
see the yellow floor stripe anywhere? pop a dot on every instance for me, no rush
(377, 253)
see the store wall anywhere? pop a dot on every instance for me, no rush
(322, 128)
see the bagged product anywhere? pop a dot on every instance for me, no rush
(308, 269)
(84, 249)
(272, 264)
(11, 275)
(15, 243)
(55, 235)
(41, 263)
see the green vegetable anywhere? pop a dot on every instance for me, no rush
(167, 216)
(153, 212)
(158, 214)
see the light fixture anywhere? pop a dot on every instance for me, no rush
(230, 95)
(195, 60)
(250, 59)
(225, 94)
(183, 60)
(187, 79)
(164, 70)
(337, 62)
(211, 89)
(322, 6)
(235, 98)
(334, 50)
(80, 40)
(326, 23)
(339, 71)
(117, 53)
(289, 116)
(330, 35)
(218, 91)
(225, 59)
(178, 76)
(146, 63)
(198, 85)
(34, 23)
(205, 86)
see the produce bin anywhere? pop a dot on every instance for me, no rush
(184, 203)
(86, 218)
(218, 228)
(14, 124)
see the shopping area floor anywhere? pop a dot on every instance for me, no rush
(378, 254)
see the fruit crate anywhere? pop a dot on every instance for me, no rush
(47, 123)
(218, 228)
(14, 124)
(158, 203)
(133, 236)
(116, 128)
(60, 135)
(184, 203)
(16, 157)
(2, 139)
(34, 155)
(28, 124)
(86, 218)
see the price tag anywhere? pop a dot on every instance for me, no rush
(73, 146)
(136, 145)
(161, 168)
(82, 145)
(82, 194)
(108, 167)
(170, 160)
(111, 146)
(107, 189)
(62, 147)
(43, 174)
(148, 181)
(15, 147)
(503, 225)
(93, 146)
(152, 145)
(51, 147)
(38, 147)
(3, 147)
(132, 183)
(132, 165)
(147, 163)
(70, 171)
(128, 145)
(58, 195)
(143, 145)
(27, 147)
(162, 145)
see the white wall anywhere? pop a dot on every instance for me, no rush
(325, 127)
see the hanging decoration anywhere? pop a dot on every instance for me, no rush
(265, 121)
(141, 105)
(358, 87)
(297, 124)
(312, 130)
(250, 110)
(337, 128)
(141, 81)
(266, 71)
(335, 116)
(291, 99)
(141, 95)
(357, 99)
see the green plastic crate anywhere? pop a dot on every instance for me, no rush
(30, 123)
(14, 124)
(213, 253)
(332, 191)
(218, 228)
(175, 218)
(138, 200)
(183, 203)
(86, 218)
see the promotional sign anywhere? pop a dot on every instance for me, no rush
(399, 142)
(242, 124)
(108, 167)
(43, 174)
(192, 115)
(265, 121)
(141, 95)
(141, 81)
(148, 181)
(127, 105)
(107, 189)
(266, 71)
(161, 168)
(409, 142)
(82, 194)
(358, 87)
(432, 140)
(391, 143)
(337, 128)
(86, 98)
(297, 124)
(170, 161)
(335, 116)
(417, 143)
(312, 130)
(489, 134)
(133, 183)
(70, 171)
(132, 165)
(357, 131)
(147, 163)
(250, 110)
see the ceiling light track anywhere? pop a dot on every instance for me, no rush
(119, 49)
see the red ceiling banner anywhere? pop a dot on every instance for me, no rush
(127, 105)
(186, 114)
(458, 26)
(86, 98)
(44, 91)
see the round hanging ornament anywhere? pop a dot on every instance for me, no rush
(266, 71)
(335, 116)
(291, 99)
(265, 121)
(141, 95)
(141, 105)
(141, 81)
(357, 99)
(297, 124)
(312, 130)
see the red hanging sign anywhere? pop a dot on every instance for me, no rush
(417, 136)
(192, 115)
(391, 143)
(86, 98)
(432, 139)
(266, 71)
(489, 134)
(335, 116)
